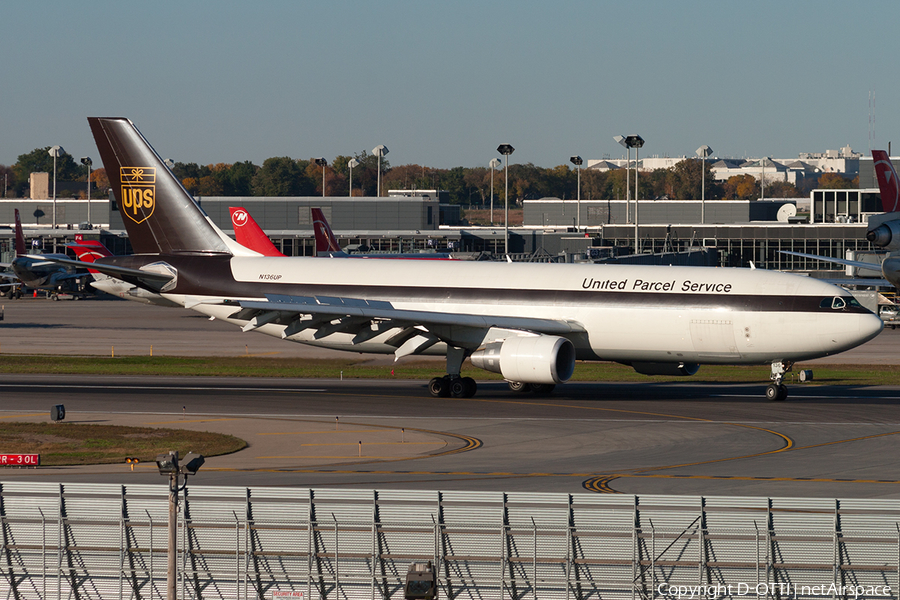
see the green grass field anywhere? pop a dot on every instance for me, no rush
(249, 366)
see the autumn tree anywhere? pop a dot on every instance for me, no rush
(100, 180)
(283, 176)
(835, 181)
(781, 189)
(741, 187)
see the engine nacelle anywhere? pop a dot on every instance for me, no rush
(886, 235)
(547, 359)
(679, 369)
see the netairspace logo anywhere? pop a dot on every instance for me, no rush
(782, 590)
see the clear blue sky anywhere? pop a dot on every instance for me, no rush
(443, 83)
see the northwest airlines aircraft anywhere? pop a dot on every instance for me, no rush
(530, 322)
(883, 230)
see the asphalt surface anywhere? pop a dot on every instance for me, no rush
(646, 438)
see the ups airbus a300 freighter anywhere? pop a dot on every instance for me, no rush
(529, 322)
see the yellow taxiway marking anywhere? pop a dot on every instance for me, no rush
(188, 421)
(601, 483)
(364, 456)
(443, 443)
(333, 431)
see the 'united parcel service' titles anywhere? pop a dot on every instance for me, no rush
(642, 285)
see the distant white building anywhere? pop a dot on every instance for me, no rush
(809, 165)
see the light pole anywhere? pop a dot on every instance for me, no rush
(86, 161)
(703, 151)
(506, 150)
(322, 162)
(620, 139)
(168, 465)
(495, 162)
(55, 152)
(379, 151)
(350, 164)
(577, 161)
(762, 180)
(636, 142)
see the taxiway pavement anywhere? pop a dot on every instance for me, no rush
(647, 438)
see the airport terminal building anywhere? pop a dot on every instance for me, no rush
(733, 232)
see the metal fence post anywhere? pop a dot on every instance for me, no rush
(121, 543)
(337, 574)
(569, 559)
(150, 519)
(59, 544)
(43, 554)
(534, 558)
(652, 556)
(237, 556)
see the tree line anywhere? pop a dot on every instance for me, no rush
(285, 176)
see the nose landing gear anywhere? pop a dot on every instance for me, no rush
(777, 391)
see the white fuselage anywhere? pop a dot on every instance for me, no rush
(619, 312)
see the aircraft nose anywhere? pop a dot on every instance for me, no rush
(869, 326)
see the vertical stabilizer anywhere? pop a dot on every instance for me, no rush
(249, 234)
(325, 240)
(159, 215)
(20, 236)
(887, 181)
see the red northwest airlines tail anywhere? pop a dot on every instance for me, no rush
(325, 240)
(249, 234)
(887, 181)
(20, 236)
(88, 251)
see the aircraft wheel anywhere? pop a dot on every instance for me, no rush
(519, 387)
(438, 387)
(458, 388)
(471, 387)
(542, 388)
(776, 392)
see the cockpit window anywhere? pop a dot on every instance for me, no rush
(840, 302)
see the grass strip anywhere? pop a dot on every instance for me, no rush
(250, 366)
(87, 444)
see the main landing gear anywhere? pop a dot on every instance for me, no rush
(777, 391)
(452, 384)
(541, 389)
(458, 387)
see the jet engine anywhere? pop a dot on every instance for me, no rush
(886, 235)
(546, 359)
(679, 369)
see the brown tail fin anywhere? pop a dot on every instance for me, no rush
(159, 215)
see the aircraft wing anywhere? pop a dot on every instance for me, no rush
(860, 281)
(841, 261)
(367, 318)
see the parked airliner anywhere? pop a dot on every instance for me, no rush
(528, 321)
(883, 229)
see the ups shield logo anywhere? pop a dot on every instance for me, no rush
(138, 192)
